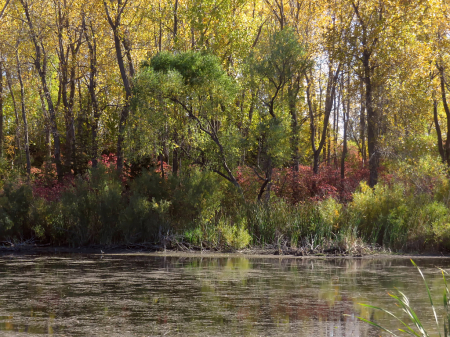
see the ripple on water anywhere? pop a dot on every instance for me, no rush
(204, 296)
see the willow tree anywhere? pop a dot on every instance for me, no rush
(192, 86)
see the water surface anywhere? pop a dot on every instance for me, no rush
(90, 295)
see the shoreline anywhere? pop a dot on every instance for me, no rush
(256, 252)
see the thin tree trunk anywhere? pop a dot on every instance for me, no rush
(292, 93)
(92, 46)
(372, 130)
(126, 82)
(329, 147)
(175, 164)
(24, 116)
(447, 113)
(160, 30)
(16, 114)
(362, 120)
(335, 131)
(440, 144)
(346, 116)
(175, 21)
(329, 99)
(266, 186)
(48, 140)
(41, 70)
(161, 162)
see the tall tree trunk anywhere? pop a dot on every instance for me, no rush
(447, 113)
(175, 157)
(329, 147)
(293, 90)
(161, 163)
(67, 53)
(48, 140)
(344, 148)
(115, 24)
(24, 116)
(440, 144)
(16, 114)
(92, 45)
(362, 122)
(372, 119)
(346, 117)
(160, 30)
(336, 126)
(329, 100)
(175, 21)
(266, 186)
(175, 165)
(1, 88)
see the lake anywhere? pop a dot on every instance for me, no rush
(195, 295)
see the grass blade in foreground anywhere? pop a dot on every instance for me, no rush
(429, 295)
(403, 302)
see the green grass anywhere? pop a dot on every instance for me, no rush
(414, 326)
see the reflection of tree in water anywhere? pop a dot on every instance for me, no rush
(283, 293)
(201, 296)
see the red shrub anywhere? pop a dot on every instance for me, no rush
(305, 185)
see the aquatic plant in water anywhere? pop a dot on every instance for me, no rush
(402, 301)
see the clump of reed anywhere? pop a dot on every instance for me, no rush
(414, 326)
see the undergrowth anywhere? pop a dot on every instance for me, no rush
(407, 211)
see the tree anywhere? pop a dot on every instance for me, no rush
(2, 13)
(196, 84)
(40, 64)
(274, 66)
(122, 46)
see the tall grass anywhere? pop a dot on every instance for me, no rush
(414, 325)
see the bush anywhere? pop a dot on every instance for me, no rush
(400, 217)
(16, 216)
(89, 211)
(282, 221)
(235, 236)
(102, 208)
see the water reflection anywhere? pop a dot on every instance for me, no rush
(235, 296)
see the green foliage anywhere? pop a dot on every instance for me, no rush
(221, 235)
(98, 208)
(194, 236)
(281, 58)
(192, 96)
(280, 220)
(196, 69)
(89, 211)
(330, 213)
(16, 204)
(274, 73)
(399, 217)
(235, 236)
(424, 174)
(5, 171)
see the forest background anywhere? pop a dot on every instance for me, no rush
(318, 124)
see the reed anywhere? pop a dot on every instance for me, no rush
(413, 326)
